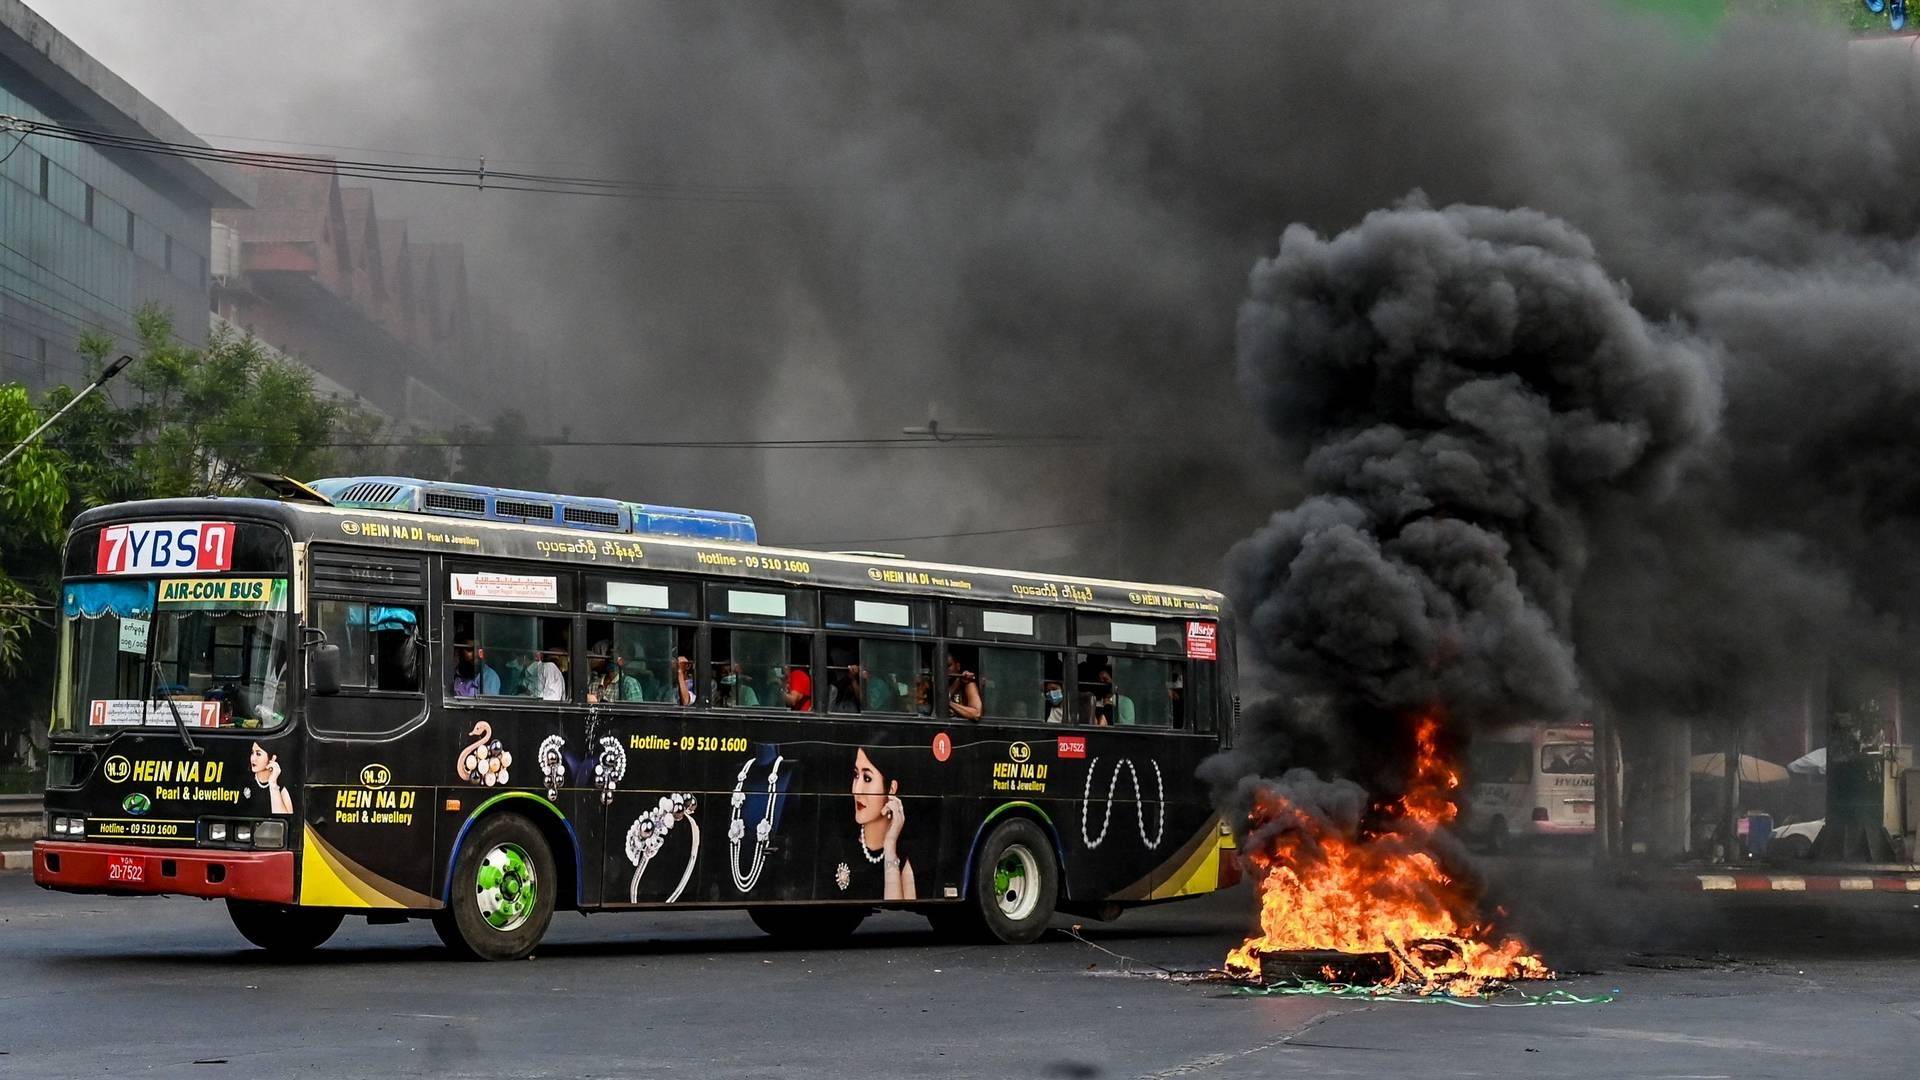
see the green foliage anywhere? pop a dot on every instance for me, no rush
(33, 501)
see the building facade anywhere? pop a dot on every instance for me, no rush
(90, 235)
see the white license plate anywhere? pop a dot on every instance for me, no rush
(127, 868)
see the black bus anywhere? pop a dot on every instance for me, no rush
(398, 698)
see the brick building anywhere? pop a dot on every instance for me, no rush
(312, 269)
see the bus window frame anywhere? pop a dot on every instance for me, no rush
(1079, 654)
(934, 640)
(576, 693)
(311, 617)
(674, 623)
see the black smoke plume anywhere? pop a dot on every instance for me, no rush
(1474, 396)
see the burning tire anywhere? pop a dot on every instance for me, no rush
(503, 890)
(809, 924)
(1016, 884)
(283, 929)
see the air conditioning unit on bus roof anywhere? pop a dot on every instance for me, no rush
(478, 502)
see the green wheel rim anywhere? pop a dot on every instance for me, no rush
(505, 890)
(1016, 882)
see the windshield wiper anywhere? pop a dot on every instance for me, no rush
(146, 699)
(173, 706)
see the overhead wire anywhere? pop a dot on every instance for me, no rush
(478, 176)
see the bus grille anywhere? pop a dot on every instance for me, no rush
(523, 509)
(459, 504)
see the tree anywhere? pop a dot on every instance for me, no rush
(33, 500)
(200, 421)
(503, 454)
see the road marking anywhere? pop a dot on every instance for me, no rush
(1856, 884)
(1788, 884)
(1717, 882)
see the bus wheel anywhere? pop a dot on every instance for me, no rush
(502, 898)
(809, 924)
(283, 929)
(1016, 882)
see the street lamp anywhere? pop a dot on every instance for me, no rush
(113, 369)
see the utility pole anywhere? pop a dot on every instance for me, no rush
(113, 369)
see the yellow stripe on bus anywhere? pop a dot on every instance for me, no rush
(326, 883)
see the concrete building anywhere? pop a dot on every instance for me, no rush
(89, 235)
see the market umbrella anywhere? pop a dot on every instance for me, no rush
(1812, 764)
(1752, 769)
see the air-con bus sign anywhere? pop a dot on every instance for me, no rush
(191, 547)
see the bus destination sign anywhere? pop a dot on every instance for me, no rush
(178, 547)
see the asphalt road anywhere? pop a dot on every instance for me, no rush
(164, 987)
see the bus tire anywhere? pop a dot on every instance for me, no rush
(1016, 883)
(503, 892)
(809, 924)
(283, 929)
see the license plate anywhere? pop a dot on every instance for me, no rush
(130, 869)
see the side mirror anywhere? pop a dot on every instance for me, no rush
(323, 668)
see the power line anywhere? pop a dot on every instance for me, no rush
(952, 535)
(478, 177)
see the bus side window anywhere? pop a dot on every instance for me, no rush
(640, 662)
(1019, 684)
(379, 644)
(760, 669)
(878, 675)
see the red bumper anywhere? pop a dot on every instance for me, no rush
(130, 870)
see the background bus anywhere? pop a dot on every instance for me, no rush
(1529, 782)
(395, 698)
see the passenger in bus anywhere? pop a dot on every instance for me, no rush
(608, 679)
(963, 690)
(1056, 700)
(471, 675)
(798, 690)
(846, 683)
(733, 687)
(549, 674)
(923, 695)
(682, 690)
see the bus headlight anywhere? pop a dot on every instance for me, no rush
(270, 834)
(69, 826)
(217, 831)
(243, 834)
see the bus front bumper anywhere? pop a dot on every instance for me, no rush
(128, 870)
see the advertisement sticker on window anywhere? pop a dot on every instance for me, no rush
(505, 588)
(121, 712)
(1202, 641)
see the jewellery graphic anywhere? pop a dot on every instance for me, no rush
(649, 834)
(553, 764)
(745, 880)
(842, 876)
(610, 767)
(874, 857)
(484, 761)
(1139, 803)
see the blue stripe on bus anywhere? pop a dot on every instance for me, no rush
(579, 869)
(1052, 834)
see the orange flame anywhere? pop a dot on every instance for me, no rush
(1382, 892)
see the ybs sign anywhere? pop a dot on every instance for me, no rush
(194, 547)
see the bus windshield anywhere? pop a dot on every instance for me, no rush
(134, 651)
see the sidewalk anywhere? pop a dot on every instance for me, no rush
(11, 859)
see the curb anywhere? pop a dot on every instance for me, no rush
(1804, 883)
(16, 860)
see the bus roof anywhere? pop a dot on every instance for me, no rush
(458, 538)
